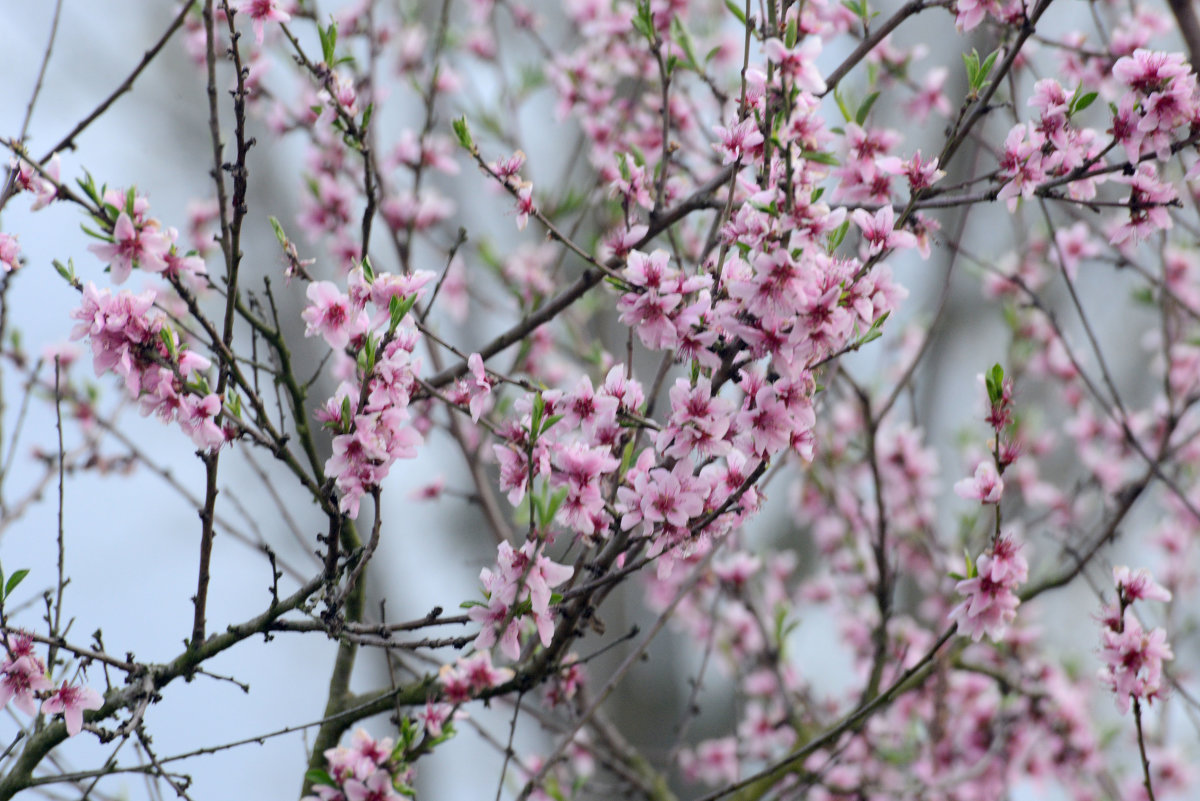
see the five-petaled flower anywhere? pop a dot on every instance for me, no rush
(70, 701)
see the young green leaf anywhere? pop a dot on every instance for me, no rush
(328, 38)
(397, 308)
(864, 108)
(463, 133)
(820, 157)
(681, 37)
(841, 104)
(1080, 102)
(837, 235)
(318, 776)
(16, 578)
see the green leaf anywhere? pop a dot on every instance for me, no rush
(684, 40)
(857, 6)
(989, 62)
(168, 341)
(841, 104)
(463, 133)
(318, 776)
(552, 507)
(643, 21)
(864, 108)
(88, 185)
(279, 234)
(370, 351)
(819, 157)
(535, 422)
(549, 422)
(875, 331)
(1080, 102)
(736, 10)
(328, 41)
(470, 604)
(623, 166)
(837, 235)
(626, 458)
(995, 383)
(67, 270)
(977, 73)
(791, 34)
(397, 308)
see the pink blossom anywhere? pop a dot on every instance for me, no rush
(470, 676)
(971, 12)
(43, 184)
(930, 97)
(1148, 71)
(332, 315)
(581, 468)
(1021, 164)
(990, 602)
(1133, 659)
(738, 140)
(699, 422)
(10, 253)
(525, 205)
(518, 576)
(1138, 585)
(1148, 198)
(434, 717)
(70, 700)
(479, 386)
(879, 232)
(798, 62)
(508, 167)
(1073, 246)
(23, 675)
(714, 762)
(430, 491)
(377, 787)
(920, 174)
(197, 418)
(133, 246)
(985, 486)
(263, 11)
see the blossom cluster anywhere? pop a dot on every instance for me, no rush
(366, 770)
(23, 681)
(519, 589)
(138, 240)
(1133, 657)
(989, 598)
(370, 411)
(132, 340)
